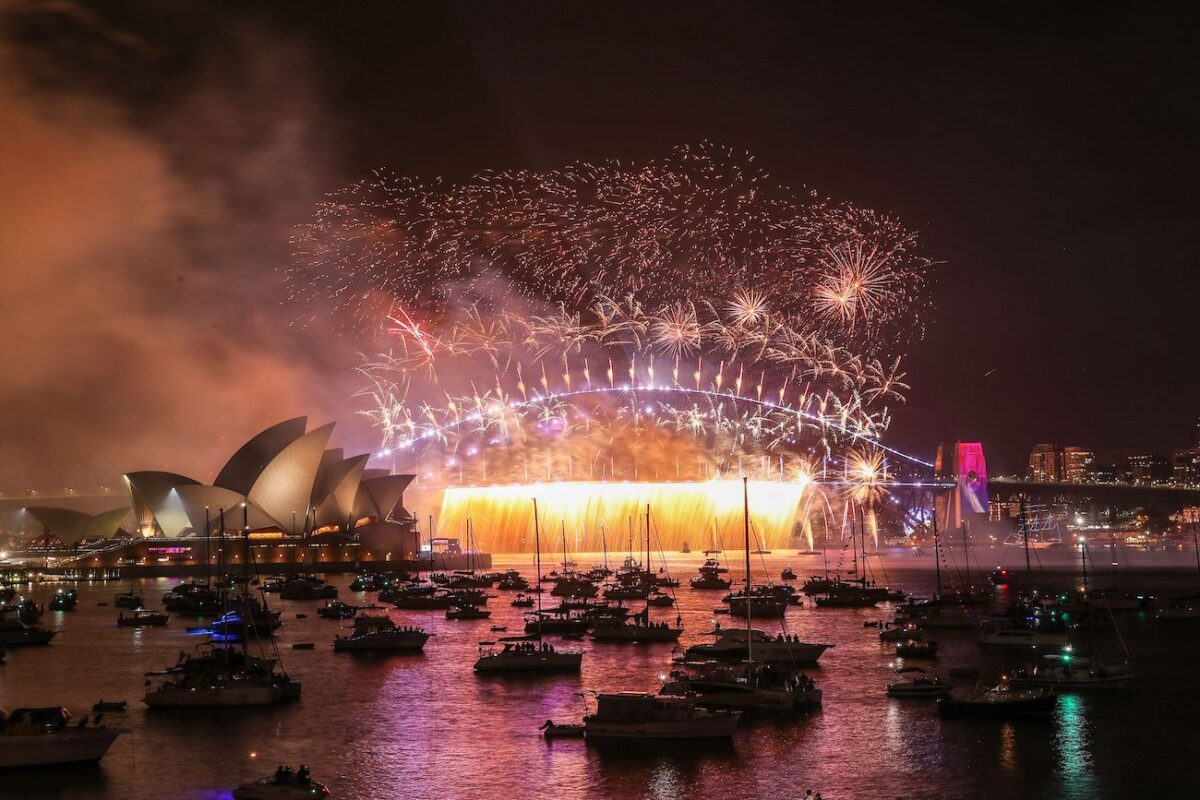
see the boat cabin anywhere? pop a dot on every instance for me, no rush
(29, 721)
(631, 708)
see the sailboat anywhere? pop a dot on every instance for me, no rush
(633, 581)
(130, 599)
(528, 654)
(601, 571)
(766, 685)
(1068, 671)
(469, 578)
(710, 573)
(638, 629)
(1184, 608)
(222, 675)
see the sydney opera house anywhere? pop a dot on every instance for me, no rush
(283, 498)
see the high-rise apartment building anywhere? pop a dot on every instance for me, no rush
(1077, 464)
(1044, 464)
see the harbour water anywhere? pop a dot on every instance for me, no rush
(427, 727)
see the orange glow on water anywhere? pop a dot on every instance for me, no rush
(596, 512)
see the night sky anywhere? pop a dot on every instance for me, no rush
(1047, 156)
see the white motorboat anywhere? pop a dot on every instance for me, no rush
(919, 687)
(45, 737)
(1068, 672)
(1024, 637)
(142, 617)
(640, 716)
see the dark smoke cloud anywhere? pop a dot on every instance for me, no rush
(149, 187)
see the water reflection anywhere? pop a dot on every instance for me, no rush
(427, 724)
(1073, 744)
(1008, 747)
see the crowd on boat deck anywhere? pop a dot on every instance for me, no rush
(284, 774)
(787, 637)
(530, 647)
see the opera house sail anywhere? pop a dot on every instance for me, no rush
(287, 496)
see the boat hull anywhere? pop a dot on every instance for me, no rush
(85, 746)
(722, 694)
(717, 726)
(26, 639)
(992, 640)
(538, 662)
(1179, 613)
(1032, 707)
(636, 634)
(217, 697)
(777, 652)
(933, 692)
(372, 644)
(1113, 683)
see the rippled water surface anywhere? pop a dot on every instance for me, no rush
(428, 727)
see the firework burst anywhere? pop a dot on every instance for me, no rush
(606, 306)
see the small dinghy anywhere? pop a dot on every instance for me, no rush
(283, 785)
(111, 705)
(552, 730)
(304, 645)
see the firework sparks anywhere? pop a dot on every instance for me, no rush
(755, 317)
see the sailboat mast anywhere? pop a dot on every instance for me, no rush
(1025, 536)
(648, 570)
(967, 549)
(604, 543)
(1086, 607)
(937, 558)
(824, 555)
(746, 535)
(862, 537)
(1083, 561)
(1196, 540)
(221, 553)
(853, 543)
(246, 611)
(537, 550)
(631, 537)
(207, 548)
(220, 577)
